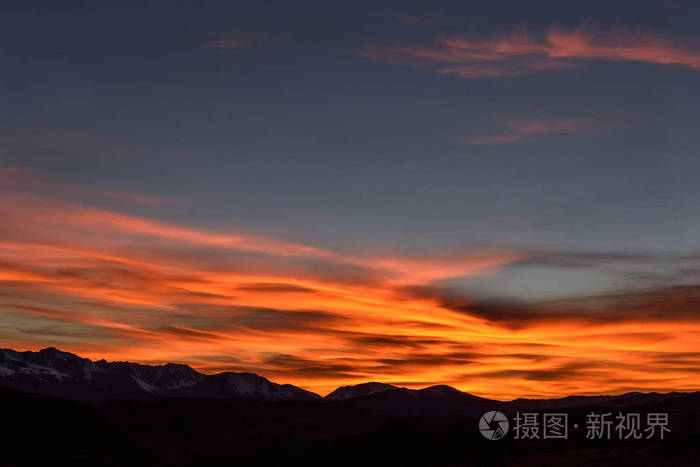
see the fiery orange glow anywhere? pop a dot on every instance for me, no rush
(112, 285)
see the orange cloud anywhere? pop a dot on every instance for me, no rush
(519, 52)
(118, 286)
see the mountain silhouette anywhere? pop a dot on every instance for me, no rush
(124, 413)
(63, 374)
(359, 390)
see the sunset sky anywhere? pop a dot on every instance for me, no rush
(500, 196)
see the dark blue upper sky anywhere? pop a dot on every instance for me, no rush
(359, 126)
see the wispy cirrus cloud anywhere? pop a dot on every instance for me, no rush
(672, 303)
(29, 178)
(413, 19)
(226, 42)
(521, 52)
(110, 284)
(523, 128)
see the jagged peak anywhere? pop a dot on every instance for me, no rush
(57, 353)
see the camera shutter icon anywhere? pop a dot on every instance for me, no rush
(493, 425)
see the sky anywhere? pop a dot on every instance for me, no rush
(500, 196)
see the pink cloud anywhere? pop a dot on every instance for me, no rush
(28, 178)
(525, 128)
(520, 52)
(31, 217)
(14, 174)
(239, 40)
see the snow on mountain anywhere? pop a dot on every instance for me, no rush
(9, 355)
(247, 385)
(174, 376)
(145, 386)
(15, 365)
(358, 390)
(89, 369)
(51, 371)
(167, 378)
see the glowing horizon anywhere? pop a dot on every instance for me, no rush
(498, 197)
(105, 284)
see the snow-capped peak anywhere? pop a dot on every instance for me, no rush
(358, 390)
(51, 369)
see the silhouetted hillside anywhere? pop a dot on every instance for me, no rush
(171, 415)
(41, 430)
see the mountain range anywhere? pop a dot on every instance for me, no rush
(124, 413)
(62, 374)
